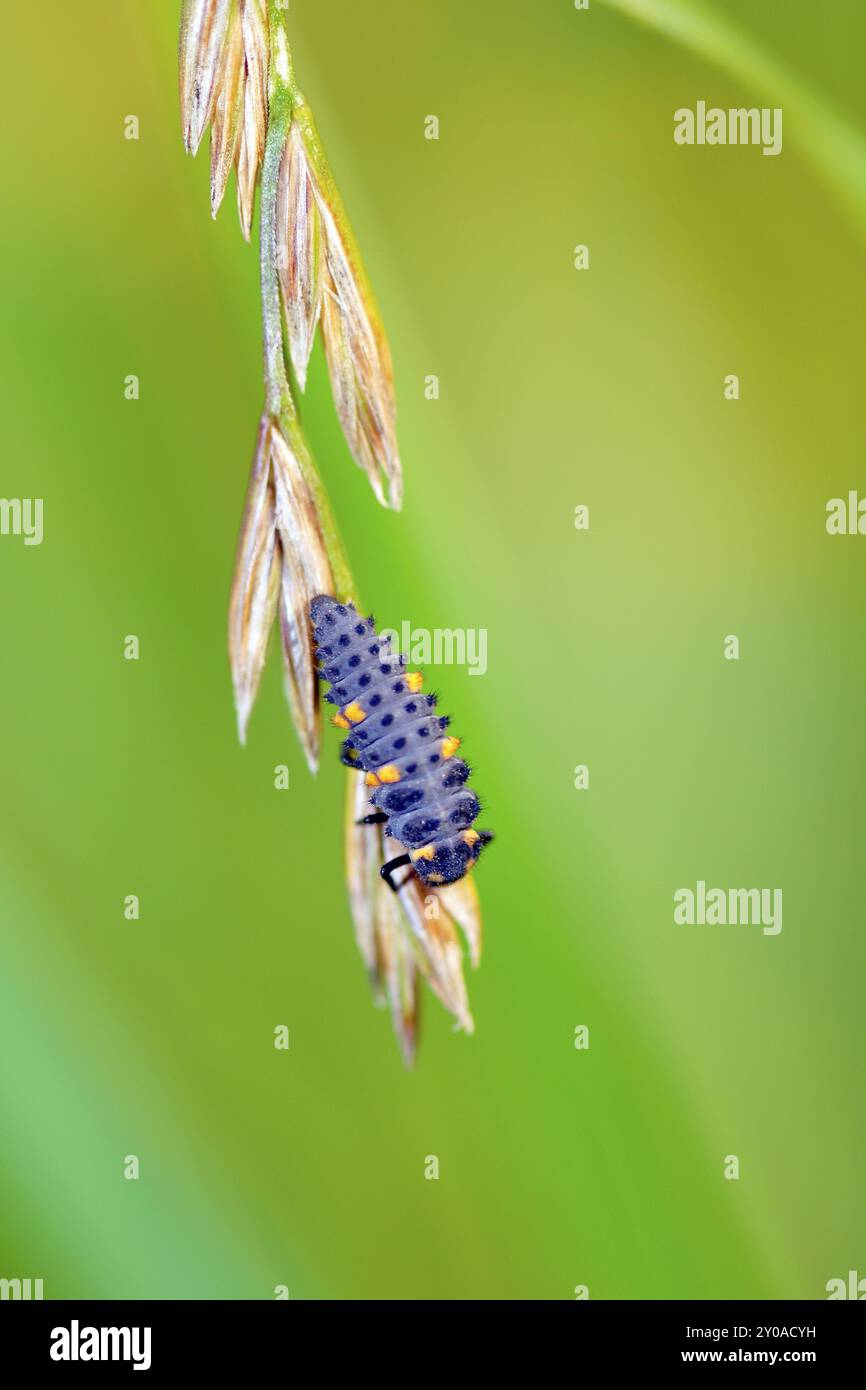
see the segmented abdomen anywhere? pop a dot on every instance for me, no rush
(396, 737)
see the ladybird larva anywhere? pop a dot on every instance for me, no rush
(400, 744)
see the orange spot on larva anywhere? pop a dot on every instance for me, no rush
(450, 746)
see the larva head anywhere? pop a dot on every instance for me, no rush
(445, 861)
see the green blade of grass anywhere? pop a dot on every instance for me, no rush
(834, 147)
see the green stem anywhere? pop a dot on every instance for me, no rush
(279, 399)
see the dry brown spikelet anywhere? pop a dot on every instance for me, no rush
(300, 251)
(251, 148)
(306, 573)
(203, 28)
(282, 563)
(406, 935)
(224, 83)
(323, 281)
(226, 121)
(255, 590)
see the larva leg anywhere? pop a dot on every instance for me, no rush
(387, 870)
(374, 818)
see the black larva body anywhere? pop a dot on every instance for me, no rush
(396, 738)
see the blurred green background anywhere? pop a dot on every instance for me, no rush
(558, 1167)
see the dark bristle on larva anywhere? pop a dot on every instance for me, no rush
(398, 742)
